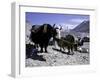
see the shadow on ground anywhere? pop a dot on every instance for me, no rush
(37, 57)
(62, 51)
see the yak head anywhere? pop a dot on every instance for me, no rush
(54, 31)
(50, 29)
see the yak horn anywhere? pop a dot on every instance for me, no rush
(54, 25)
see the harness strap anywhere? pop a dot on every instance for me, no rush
(64, 41)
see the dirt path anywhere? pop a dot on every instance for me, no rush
(56, 58)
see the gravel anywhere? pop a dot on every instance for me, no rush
(57, 58)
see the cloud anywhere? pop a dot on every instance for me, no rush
(66, 25)
(77, 20)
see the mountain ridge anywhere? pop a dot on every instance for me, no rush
(82, 27)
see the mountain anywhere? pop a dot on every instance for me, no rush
(82, 27)
(28, 32)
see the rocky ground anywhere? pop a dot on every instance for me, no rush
(57, 58)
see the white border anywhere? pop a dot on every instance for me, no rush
(18, 40)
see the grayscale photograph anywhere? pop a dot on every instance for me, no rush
(56, 39)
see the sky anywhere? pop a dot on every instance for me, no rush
(69, 21)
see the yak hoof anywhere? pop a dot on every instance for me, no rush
(60, 49)
(68, 53)
(46, 51)
(41, 51)
(72, 53)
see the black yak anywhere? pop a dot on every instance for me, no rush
(42, 35)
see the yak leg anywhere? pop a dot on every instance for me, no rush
(45, 46)
(41, 46)
(36, 46)
(68, 49)
(72, 49)
(64, 48)
(61, 45)
(60, 49)
(75, 47)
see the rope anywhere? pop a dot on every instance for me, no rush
(65, 41)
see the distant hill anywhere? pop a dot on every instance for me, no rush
(83, 27)
(27, 34)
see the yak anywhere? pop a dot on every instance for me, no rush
(66, 42)
(42, 35)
